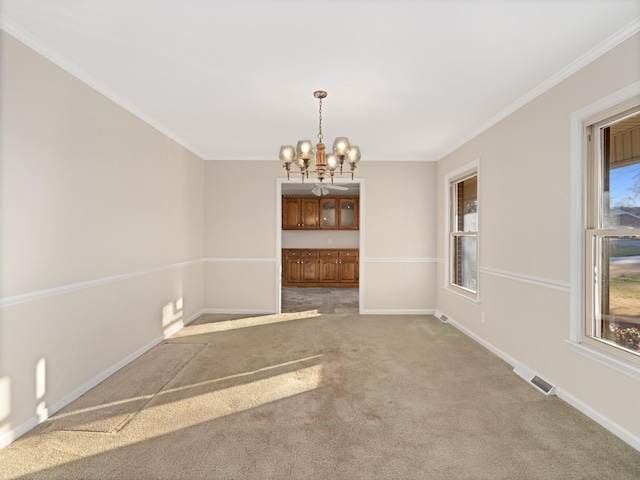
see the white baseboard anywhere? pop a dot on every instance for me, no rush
(397, 312)
(507, 358)
(238, 311)
(617, 430)
(597, 417)
(42, 415)
(233, 311)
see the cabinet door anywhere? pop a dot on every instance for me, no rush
(310, 267)
(348, 213)
(290, 213)
(328, 209)
(292, 267)
(348, 261)
(309, 213)
(329, 266)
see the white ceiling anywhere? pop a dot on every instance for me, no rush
(407, 79)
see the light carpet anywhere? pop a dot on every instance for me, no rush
(332, 397)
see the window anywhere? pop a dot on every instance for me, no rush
(463, 233)
(612, 233)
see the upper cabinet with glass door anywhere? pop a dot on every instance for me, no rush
(328, 210)
(348, 217)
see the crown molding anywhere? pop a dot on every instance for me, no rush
(614, 40)
(63, 62)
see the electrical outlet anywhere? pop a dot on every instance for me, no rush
(483, 317)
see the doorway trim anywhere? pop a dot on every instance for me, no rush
(361, 226)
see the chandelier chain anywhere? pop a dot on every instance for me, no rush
(320, 122)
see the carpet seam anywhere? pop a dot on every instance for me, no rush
(127, 421)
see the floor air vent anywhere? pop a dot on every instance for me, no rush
(442, 317)
(540, 384)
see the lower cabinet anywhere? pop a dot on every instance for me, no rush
(320, 268)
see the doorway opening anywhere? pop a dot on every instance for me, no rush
(319, 253)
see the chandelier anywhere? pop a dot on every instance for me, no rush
(325, 164)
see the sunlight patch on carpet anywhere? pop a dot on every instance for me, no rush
(111, 404)
(211, 403)
(227, 325)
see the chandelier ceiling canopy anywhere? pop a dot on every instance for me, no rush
(325, 164)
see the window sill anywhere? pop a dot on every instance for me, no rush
(463, 294)
(617, 364)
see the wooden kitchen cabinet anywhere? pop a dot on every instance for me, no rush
(329, 265)
(326, 213)
(300, 266)
(348, 266)
(310, 267)
(320, 267)
(300, 213)
(291, 266)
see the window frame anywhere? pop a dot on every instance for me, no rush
(452, 179)
(581, 254)
(596, 229)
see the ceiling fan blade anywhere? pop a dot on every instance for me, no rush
(320, 189)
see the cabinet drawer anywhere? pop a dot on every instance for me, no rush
(309, 253)
(348, 253)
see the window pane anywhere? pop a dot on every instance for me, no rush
(464, 261)
(466, 202)
(618, 298)
(620, 153)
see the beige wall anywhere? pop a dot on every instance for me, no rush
(102, 232)
(320, 239)
(240, 236)
(397, 215)
(400, 237)
(525, 242)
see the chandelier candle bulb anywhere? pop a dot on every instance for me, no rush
(304, 149)
(341, 146)
(332, 162)
(287, 155)
(354, 155)
(354, 158)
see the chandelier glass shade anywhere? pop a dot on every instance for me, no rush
(325, 164)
